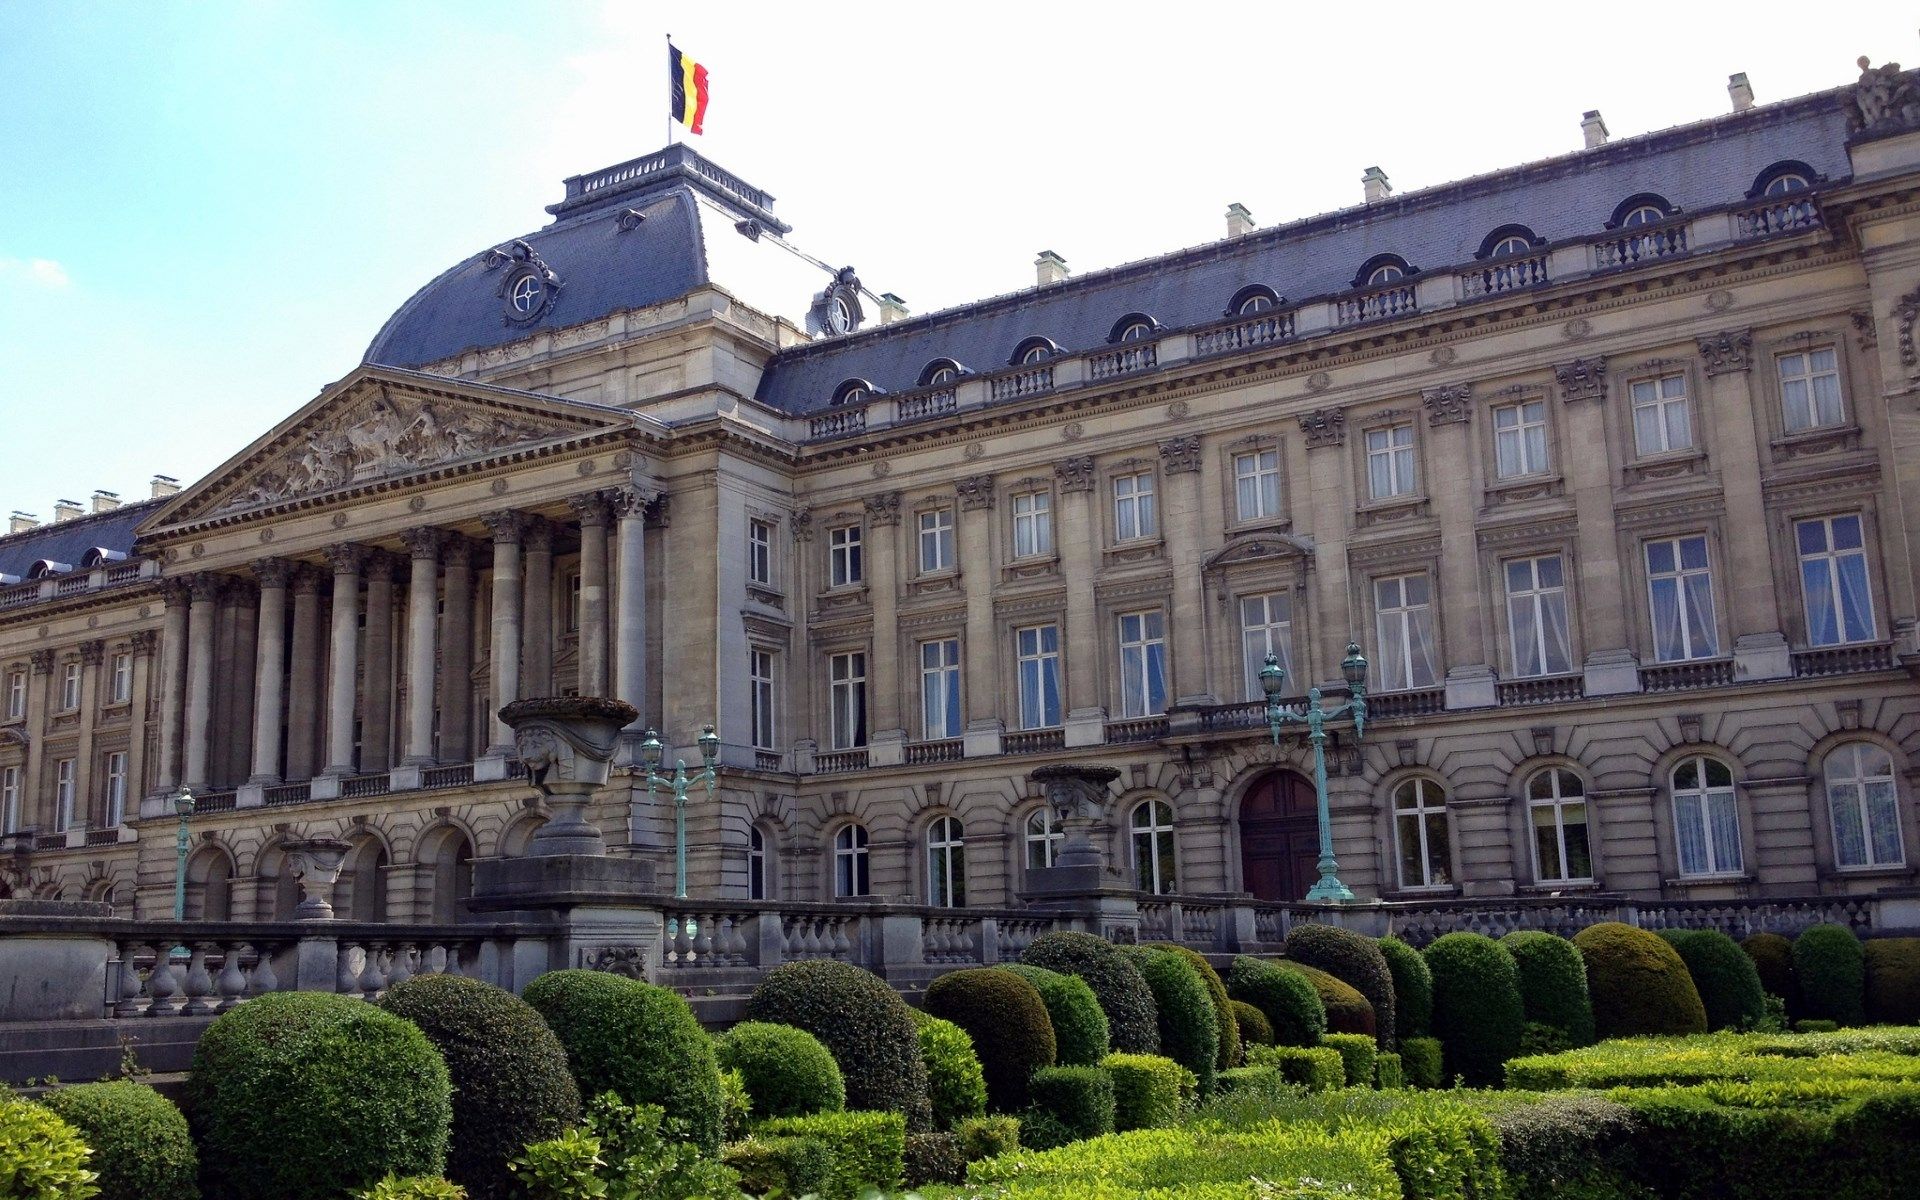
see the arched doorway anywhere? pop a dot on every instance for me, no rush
(1279, 837)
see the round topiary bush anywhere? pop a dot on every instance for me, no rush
(297, 1095)
(638, 1041)
(1728, 982)
(1230, 1055)
(1893, 981)
(1412, 989)
(1477, 1012)
(1070, 1104)
(1772, 956)
(1832, 971)
(1124, 996)
(1347, 1010)
(1255, 1029)
(862, 1022)
(1637, 983)
(1008, 1022)
(956, 1086)
(1553, 984)
(509, 1074)
(41, 1156)
(1080, 1033)
(1189, 1033)
(787, 1072)
(142, 1149)
(1288, 1000)
(1352, 959)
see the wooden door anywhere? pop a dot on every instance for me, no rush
(1279, 838)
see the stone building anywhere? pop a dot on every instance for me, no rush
(1609, 462)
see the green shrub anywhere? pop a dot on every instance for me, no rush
(1008, 1022)
(1347, 1010)
(1832, 970)
(1815, 1025)
(41, 1156)
(1893, 980)
(736, 1106)
(1255, 1029)
(1637, 983)
(867, 1148)
(308, 1094)
(956, 1087)
(508, 1070)
(1412, 989)
(1580, 1147)
(1537, 1037)
(1316, 1068)
(862, 1022)
(933, 1158)
(1288, 1000)
(413, 1187)
(1477, 1011)
(1076, 1102)
(1727, 980)
(781, 1166)
(787, 1071)
(637, 1041)
(142, 1149)
(1353, 959)
(1189, 1028)
(1230, 1054)
(1124, 996)
(1388, 1074)
(1080, 1033)
(1422, 1061)
(1261, 1081)
(1357, 1055)
(1553, 984)
(1146, 1090)
(1772, 956)
(621, 1150)
(988, 1137)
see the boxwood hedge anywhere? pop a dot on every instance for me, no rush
(1008, 1022)
(41, 1156)
(1422, 1061)
(1229, 1054)
(1553, 983)
(1080, 1033)
(142, 1149)
(956, 1086)
(1638, 983)
(1117, 984)
(1477, 1011)
(1772, 956)
(1255, 1029)
(1189, 1029)
(1412, 989)
(786, 1071)
(1357, 1055)
(1347, 1010)
(1288, 1000)
(862, 1022)
(1727, 980)
(1353, 959)
(1146, 1090)
(1893, 980)
(1828, 962)
(1069, 1103)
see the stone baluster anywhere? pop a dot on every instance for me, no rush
(373, 980)
(263, 979)
(232, 983)
(162, 985)
(347, 979)
(132, 988)
(199, 981)
(401, 968)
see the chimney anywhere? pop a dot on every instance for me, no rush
(1376, 185)
(1594, 129)
(1239, 220)
(1049, 268)
(20, 522)
(105, 501)
(66, 510)
(1740, 91)
(892, 308)
(165, 485)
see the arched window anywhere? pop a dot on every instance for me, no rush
(1385, 273)
(853, 391)
(1420, 834)
(1865, 807)
(939, 372)
(1153, 847)
(1043, 838)
(1033, 350)
(757, 878)
(946, 863)
(1644, 214)
(850, 862)
(1557, 814)
(210, 885)
(1133, 327)
(452, 878)
(1786, 181)
(1706, 817)
(1509, 245)
(1253, 300)
(366, 882)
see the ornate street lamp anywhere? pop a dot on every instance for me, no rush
(183, 841)
(1328, 889)
(651, 755)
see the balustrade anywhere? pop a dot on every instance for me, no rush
(1137, 729)
(1778, 216)
(357, 786)
(1123, 360)
(828, 762)
(711, 938)
(457, 775)
(838, 423)
(1740, 918)
(1030, 381)
(1243, 335)
(1423, 703)
(1033, 741)
(1642, 245)
(950, 939)
(944, 750)
(1504, 275)
(818, 935)
(926, 404)
(1382, 305)
(1842, 660)
(285, 793)
(1552, 689)
(1683, 676)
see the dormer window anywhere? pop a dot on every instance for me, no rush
(839, 315)
(1644, 209)
(1507, 241)
(853, 391)
(1384, 273)
(1646, 214)
(1133, 327)
(1781, 179)
(1780, 185)
(837, 310)
(1382, 270)
(1033, 350)
(941, 372)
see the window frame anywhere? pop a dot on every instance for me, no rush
(760, 536)
(852, 862)
(1407, 622)
(1394, 453)
(1252, 662)
(950, 693)
(1047, 678)
(946, 861)
(1136, 514)
(72, 685)
(66, 785)
(1162, 874)
(1679, 576)
(1860, 778)
(1422, 811)
(1542, 421)
(1050, 838)
(1266, 483)
(1038, 518)
(848, 699)
(1688, 403)
(1136, 654)
(764, 697)
(1558, 800)
(1715, 869)
(12, 792)
(759, 878)
(16, 694)
(1832, 557)
(944, 531)
(1540, 597)
(113, 788)
(846, 555)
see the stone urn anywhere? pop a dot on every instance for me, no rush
(316, 863)
(568, 743)
(1077, 796)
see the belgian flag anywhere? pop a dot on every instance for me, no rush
(688, 81)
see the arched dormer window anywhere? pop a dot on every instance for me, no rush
(46, 568)
(1782, 178)
(854, 391)
(1507, 241)
(1381, 270)
(1033, 350)
(1133, 327)
(100, 556)
(1253, 300)
(1645, 208)
(941, 371)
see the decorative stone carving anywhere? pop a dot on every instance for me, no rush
(628, 962)
(1073, 431)
(883, 508)
(1885, 100)
(1576, 330)
(1904, 314)
(1180, 454)
(93, 653)
(1865, 335)
(1077, 796)
(1178, 410)
(590, 509)
(1075, 473)
(379, 565)
(539, 534)
(1324, 427)
(1727, 351)
(975, 491)
(42, 661)
(506, 526)
(203, 587)
(1443, 356)
(1582, 379)
(305, 578)
(659, 511)
(272, 572)
(567, 743)
(631, 501)
(316, 863)
(144, 641)
(346, 558)
(1448, 404)
(1319, 381)
(803, 526)
(423, 543)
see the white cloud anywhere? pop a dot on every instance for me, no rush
(42, 272)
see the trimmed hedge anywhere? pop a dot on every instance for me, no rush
(864, 1149)
(1388, 1074)
(862, 1022)
(988, 1137)
(508, 1070)
(1421, 1062)
(1568, 1146)
(1832, 970)
(1553, 983)
(1260, 1082)
(1230, 1054)
(933, 1158)
(1727, 980)
(1355, 960)
(1638, 983)
(1189, 1028)
(1008, 1022)
(1288, 1000)
(142, 1149)
(413, 1187)
(1347, 1010)
(956, 1087)
(41, 1156)
(1117, 984)
(1772, 956)
(781, 1166)
(303, 1095)
(1315, 1068)
(787, 1072)
(1146, 1090)
(1357, 1055)
(1255, 1029)
(1893, 981)
(1069, 1104)
(1080, 1033)
(637, 1041)
(1412, 989)
(1477, 1011)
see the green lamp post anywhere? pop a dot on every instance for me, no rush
(183, 842)
(1327, 889)
(652, 753)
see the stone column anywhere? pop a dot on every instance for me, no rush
(1338, 608)
(983, 649)
(143, 643)
(376, 722)
(86, 804)
(1611, 665)
(344, 656)
(1183, 525)
(536, 635)
(1077, 541)
(1760, 648)
(507, 528)
(303, 675)
(423, 595)
(173, 683)
(456, 653)
(244, 596)
(1465, 660)
(39, 707)
(592, 511)
(630, 594)
(204, 590)
(885, 729)
(270, 687)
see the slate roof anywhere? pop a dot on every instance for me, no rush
(68, 541)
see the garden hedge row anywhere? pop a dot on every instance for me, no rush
(1189, 1028)
(1638, 983)
(864, 1149)
(1354, 960)
(1069, 1104)
(41, 1156)
(1008, 1022)
(1080, 1032)
(1358, 1053)
(1831, 970)
(1255, 1029)
(1893, 980)
(956, 1086)
(1772, 956)
(1123, 994)
(1146, 1090)
(1724, 975)
(1553, 984)
(1287, 999)
(1412, 989)
(1477, 1011)
(862, 1022)
(1347, 1010)
(1229, 1055)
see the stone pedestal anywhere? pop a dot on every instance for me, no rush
(1078, 881)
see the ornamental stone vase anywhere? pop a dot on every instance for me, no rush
(568, 743)
(1077, 796)
(316, 863)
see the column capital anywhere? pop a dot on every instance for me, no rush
(379, 565)
(144, 641)
(174, 592)
(423, 543)
(346, 558)
(456, 550)
(507, 526)
(1728, 351)
(42, 661)
(305, 578)
(883, 509)
(272, 572)
(1074, 472)
(1324, 427)
(1582, 379)
(634, 500)
(539, 534)
(1179, 454)
(975, 491)
(93, 653)
(204, 586)
(1448, 404)
(590, 509)
(244, 592)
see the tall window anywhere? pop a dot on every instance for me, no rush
(850, 861)
(116, 788)
(1662, 421)
(847, 674)
(1266, 627)
(1038, 651)
(16, 695)
(1390, 462)
(760, 677)
(1133, 515)
(1256, 485)
(1833, 578)
(1420, 834)
(1143, 664)
(756, 863)
(1706, 818)
(65, 775)
(946, 863)
(760, 552)
(9, 799)
(1680, 597)
(936, 540)
(1153, 847)
(69, 686)
(1043, 838)
(1537, 615)
(1520, 439)
(1403, 625)
(844, 565)
(1865, 807)
(1810, 389)
(1032, 524)
(940, 688)
(120, 689)
(1557, 813)
(573, 601)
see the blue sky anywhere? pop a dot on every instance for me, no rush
(207, 209)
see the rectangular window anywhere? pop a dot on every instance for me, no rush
(1662, 421)
(1256, 485)
(1032, 524)
(16, 695)
(116, 788)
(1680, 599)
(1833, 577)
(70, 687)
(1520, 439)
(760, 552)
(1038, 649)
(1537, 615)
(760, 676)
(1133, 515)
(1266, 627)
(940, 688)
(573, 602)
(1143, 664)
(120, 690)
(1403, 623)
(848, 675)
(9, 799)
(844, 566)
(1390, 462)
(936, 540)
(65, 775)
(1810, 389)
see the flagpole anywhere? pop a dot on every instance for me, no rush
(669, 93)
